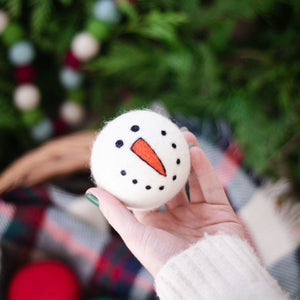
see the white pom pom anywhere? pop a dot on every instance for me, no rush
(21, 53)
(72, 113)
(3, 20)
(107, 11)
(42, 131)
(85, 46)
(26, 96)
(70, 78)
(142, 158)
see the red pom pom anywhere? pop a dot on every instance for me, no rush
(72, 61)
(24, 74)
(60, 127)
(46, 280)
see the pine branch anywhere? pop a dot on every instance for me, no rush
(41, 10)
(14, 7)
(9, 119)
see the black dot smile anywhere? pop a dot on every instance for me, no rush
(120, 143)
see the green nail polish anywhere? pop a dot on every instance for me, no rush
(92, 199)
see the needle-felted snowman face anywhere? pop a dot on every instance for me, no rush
(141, 158)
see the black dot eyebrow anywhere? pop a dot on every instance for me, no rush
(119, 143)
(135, 128)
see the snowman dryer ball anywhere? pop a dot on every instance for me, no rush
(142, 158)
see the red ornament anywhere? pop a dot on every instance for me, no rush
(25, 74)
(71, 61)
(47, 280)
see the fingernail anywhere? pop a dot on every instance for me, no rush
(191, 145)
(183, 129)
(92, 199)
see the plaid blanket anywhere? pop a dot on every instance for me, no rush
(48, 222)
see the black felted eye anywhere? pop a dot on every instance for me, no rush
(163, 132)
(123, 172)
(174, 177)
(178, 161)
(119, 143)
(161, 187)
(134, 181)
(174, 146)
(148, 187)
(135, 128)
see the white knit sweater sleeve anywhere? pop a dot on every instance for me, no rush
(217, 267)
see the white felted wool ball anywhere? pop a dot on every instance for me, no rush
(142, 158)
(26, 96)
(106, 11)
(3, 20)
(70, 78)
(72, 113)
(85, 46)
(21, 53)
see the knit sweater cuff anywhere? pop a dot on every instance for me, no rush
(217, 267)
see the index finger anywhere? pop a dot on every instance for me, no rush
(211, 187)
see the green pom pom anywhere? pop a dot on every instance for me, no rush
(98, 29)
(76, 95)
(32, 117)
(12, 33)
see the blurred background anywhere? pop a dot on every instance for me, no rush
(69, 64)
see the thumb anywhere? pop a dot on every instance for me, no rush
(118, 216)
(152, 246)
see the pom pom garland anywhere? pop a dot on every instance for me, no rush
(70, 78)
(12, 33)
(107, 11)
(26, 96)
(98, 29)
(25, 74)
(42, 130)
(85, 46)
(72, 113)
(3, 21)
(21, 53)
(72, 61)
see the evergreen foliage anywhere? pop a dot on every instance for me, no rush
(236, 59)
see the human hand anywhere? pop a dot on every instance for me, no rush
(155, 236)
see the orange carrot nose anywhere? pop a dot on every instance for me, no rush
(144, 151)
